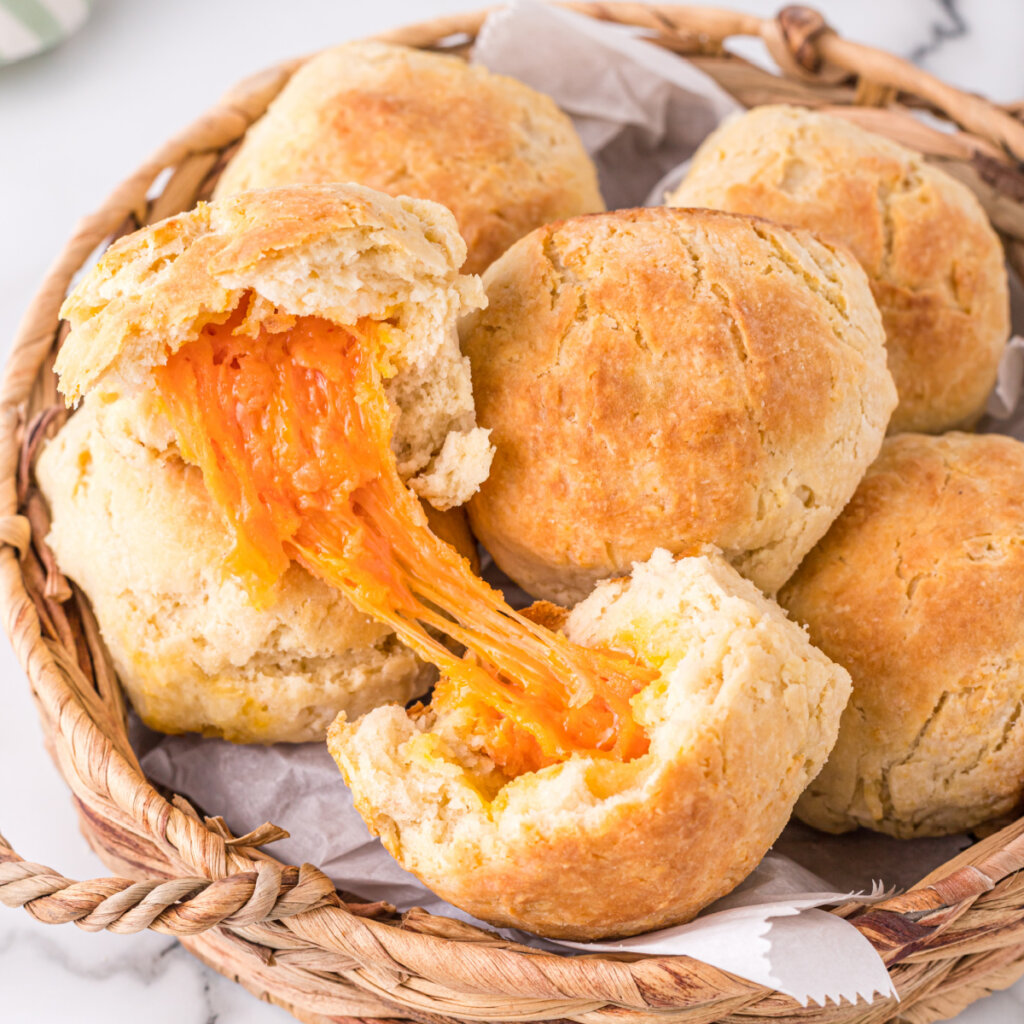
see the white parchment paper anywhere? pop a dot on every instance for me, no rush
(641, 113)
(640, 110)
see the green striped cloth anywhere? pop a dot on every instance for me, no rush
(28, 26)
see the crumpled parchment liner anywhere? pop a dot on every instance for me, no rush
(298, 787)
(641, 112)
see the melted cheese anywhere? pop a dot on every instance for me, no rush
(291, 428)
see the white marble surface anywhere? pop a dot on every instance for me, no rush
(72, 123)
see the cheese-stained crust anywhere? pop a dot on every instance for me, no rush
(667, 378)
(935, 264)
(502, 157)
(918, 590)
(741, 717)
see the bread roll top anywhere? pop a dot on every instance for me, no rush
(918, 590)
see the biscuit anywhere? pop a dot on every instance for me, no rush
(502, 157)
(741, 714)
(918, 590)
(668, 378)
(935, 264)
(134, 521)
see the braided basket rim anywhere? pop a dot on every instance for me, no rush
(284, 932)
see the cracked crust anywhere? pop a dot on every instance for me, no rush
(502, 157)
(134, 527)
(743, 713)
(935, 264)
(918, 589)
(668, 378)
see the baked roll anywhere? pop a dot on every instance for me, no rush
(737, 714)
(201, 640)
(918, 590)
(502, 157)
(935, 265)
(668, 378)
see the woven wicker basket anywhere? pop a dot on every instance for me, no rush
(284, 932)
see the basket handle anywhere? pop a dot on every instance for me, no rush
(172, 906)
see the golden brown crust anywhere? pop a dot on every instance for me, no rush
(918, 590)
(666, 377)
(935, 264)
(743, 714)
(544, 613)
(499, 155)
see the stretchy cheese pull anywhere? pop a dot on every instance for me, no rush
(291, 429)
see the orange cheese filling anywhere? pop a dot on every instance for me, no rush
(289, 423)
